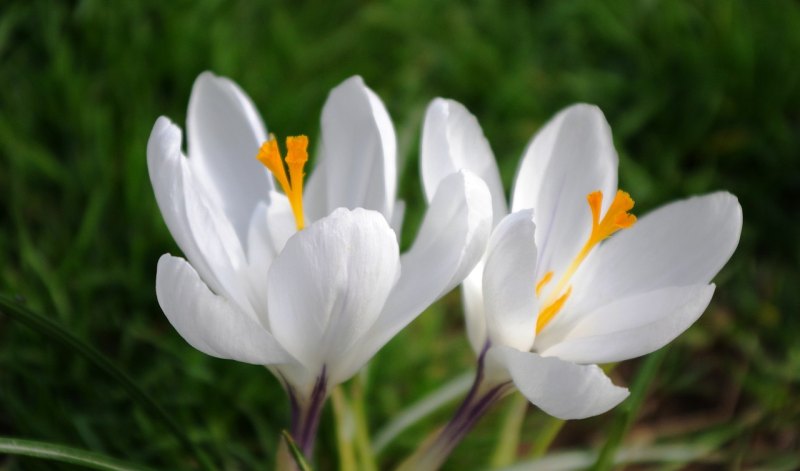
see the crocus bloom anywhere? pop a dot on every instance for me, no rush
(308, 281)
(570, 278)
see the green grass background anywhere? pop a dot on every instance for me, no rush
(701, 95)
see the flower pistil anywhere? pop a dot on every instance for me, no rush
(296, 158)
(616, 218)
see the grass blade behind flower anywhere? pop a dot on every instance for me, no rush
(58, 333)
(65, 454)
(626, 413)
(443, 395)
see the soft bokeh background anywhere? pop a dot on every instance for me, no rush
(701, 95)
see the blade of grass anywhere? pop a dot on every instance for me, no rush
(65, 454)
(576, 460)
(505, 452)
(366, 455)
(626, 413)
(343, 414)
(295, 452)
(545, 437)
(58, 333)
(450, 391)
(547, 433)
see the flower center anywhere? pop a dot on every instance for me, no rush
(617, 217)
(296, 158)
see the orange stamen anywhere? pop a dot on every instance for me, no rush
(545, 279)
(296, 158)
(617, 217)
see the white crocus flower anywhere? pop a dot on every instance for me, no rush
(555, 294)
(309, 283)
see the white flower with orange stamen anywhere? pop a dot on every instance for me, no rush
(570, 278)
(309, 282)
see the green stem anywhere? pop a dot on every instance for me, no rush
(626, 413)
(65, 454)
(54, 331)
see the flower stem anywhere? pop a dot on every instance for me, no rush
(431, 455)
(306, 411)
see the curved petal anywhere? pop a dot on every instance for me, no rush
(474, 313)
(509, 280)
(631, 327)
(562, 389)
(572, 156)
(209, 322)
(398, 216)
(224, 132)
(452, 140)
(280, 221)
(203, 234)
(449, 244)
(357, 166)
(271, 225)
(680, 244)
(328, 286)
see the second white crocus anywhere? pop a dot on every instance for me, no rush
(308, 282)
(570, 278)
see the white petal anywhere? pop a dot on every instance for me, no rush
(509, 282)
(357, 162)
(631, 327)
(398, 215)
(450, 242)
(329, 283)
(452, 140)
(209, 322)
(315, 193)
(270, 227)
(224, 133)
(680, 244)
(562, 389)
(572, 156)
(474, 314)
(202, 232)
(281, 224)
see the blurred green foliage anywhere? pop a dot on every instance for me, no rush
(701, 95)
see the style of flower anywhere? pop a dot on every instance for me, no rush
(308, 281)
(571, 278)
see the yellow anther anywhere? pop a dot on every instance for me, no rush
(296, 150)
(270, 156)
(617, 217)
(550, 311)
(545, 279)
(296, 158)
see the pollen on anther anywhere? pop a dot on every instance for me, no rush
(595, 200)
(617, 217)
(541, 284)
(296, 158)
(270, 156)
(296, 149)
(549, 312)
(625, 220)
